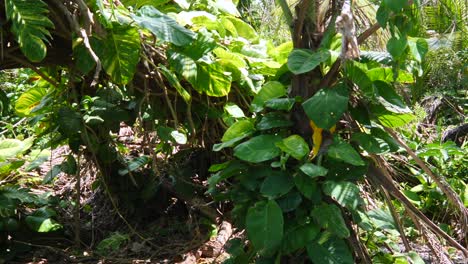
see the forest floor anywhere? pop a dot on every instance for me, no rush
(174, 231)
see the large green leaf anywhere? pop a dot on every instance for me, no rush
(281, 52)
(69, 121)
(14, 192)
(327, 106)
(10, 148)
(41, 221)
(418, 48)
(390, 119)
(381, 57)
(258, 149)
(344, 192)
(121, 53)
(174, 81)
(307, 186)
(30, 25)
(333, 251)
(290, 201)
(397, 46)
(212, 79)
(274, 120)
(264, 225)
(243, 29)
(81, 56)
(329, 217)
(183, 65)
(313, 170)
(202, 46)
(285, 104)
(369, 143)
(7, 167)
(386, 142)
(299, 237)
(29, 100)
(276, 185)
(387, 96)
(359, 77)
(240, 129)
(396, 5)
(232, 62)
(345, 152)
(270, 90)
(164, 27)
(304, 60)
(295, 146)
(382, 219)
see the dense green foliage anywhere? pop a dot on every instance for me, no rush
(198, 75)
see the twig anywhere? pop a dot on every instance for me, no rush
(166, 97)
(15, 125)
(396, 218)
(34, 68)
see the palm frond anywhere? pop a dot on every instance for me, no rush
(30, 25)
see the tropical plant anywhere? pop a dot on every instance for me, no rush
(295, 159)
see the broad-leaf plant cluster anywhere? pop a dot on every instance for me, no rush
(298, 130)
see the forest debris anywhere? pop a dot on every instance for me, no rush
(215, 247)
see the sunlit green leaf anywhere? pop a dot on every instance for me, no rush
(163, 26)
(41, 221)
(258, 149)
(270, 90)
(30, 25)
(29, 100)
(295, 146)
(303, 60)
(387, 96)
(273, 120)
(121, 53)
(344, 192)
(10, 148)
(240, 128)
(418, 48)
(212, 79)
